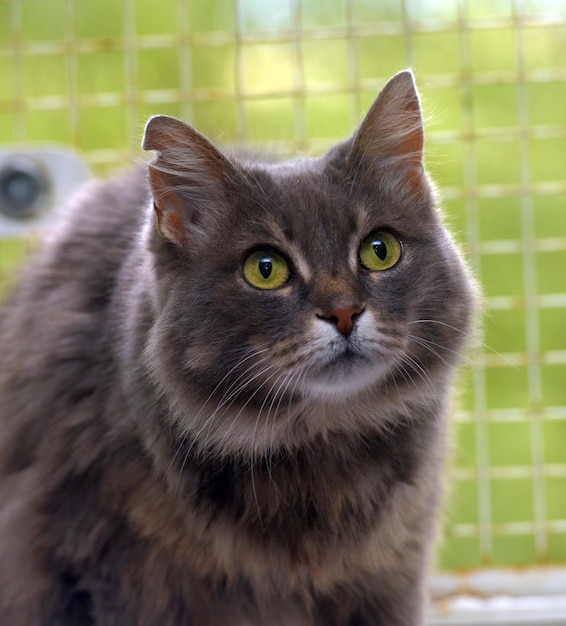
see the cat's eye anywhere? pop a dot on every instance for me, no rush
(266, 269)
(379, 251)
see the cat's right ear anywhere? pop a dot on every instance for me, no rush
(187, 178)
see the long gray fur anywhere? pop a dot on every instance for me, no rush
(178, 447)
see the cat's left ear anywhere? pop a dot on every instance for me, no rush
(392, 132)
(187, 179)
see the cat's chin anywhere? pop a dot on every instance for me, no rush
(339, 382)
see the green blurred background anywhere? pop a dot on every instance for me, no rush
(297, 75)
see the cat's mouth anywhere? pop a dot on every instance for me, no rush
(343, 375)
(348, 358)
(338, 366)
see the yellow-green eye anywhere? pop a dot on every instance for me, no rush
(379, 251)
(266, 269)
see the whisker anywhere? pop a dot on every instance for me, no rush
(234, 390)
(207, 424)
(439, 323)
(283, 383)
(411, 364)
(229, 430)
(433, 347)
(230, 372)
(476, 340)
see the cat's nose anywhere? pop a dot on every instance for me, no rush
(343, 318)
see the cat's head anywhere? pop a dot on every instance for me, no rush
(297, 293)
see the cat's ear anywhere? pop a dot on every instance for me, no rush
(187, 178)
(392, 132)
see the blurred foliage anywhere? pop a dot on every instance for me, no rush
(300, 81)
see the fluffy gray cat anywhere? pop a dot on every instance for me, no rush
(224, 389)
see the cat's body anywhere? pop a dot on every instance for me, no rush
(184, 442)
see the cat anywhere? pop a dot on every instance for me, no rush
(224, 388)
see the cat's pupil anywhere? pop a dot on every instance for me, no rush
(380, 249)
(265, 267)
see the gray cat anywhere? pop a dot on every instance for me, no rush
(224, 389)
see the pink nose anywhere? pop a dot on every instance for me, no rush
(343, 319)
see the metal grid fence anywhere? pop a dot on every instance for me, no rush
(297, 75)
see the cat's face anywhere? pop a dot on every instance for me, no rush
(317, 281)
(320, 281)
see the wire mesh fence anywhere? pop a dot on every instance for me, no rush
(296, 75)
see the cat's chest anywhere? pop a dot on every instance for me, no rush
(294, 523)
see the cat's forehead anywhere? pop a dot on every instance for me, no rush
(300, 199)
(310, 200)
(296, 167)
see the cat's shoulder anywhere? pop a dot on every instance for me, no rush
(97, 230)
(74, 272)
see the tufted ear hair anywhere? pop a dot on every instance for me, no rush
(187, 178)
(392, 133)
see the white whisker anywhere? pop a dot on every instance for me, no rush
(208, 422)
